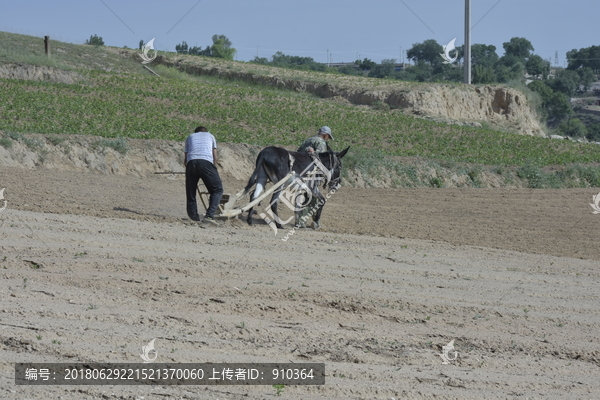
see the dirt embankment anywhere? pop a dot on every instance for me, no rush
(499, 106)
(137, 157)
(37, 73)
(134, 157)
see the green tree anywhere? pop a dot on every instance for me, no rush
(509, 60)
(483, 74)
(536, 65)
(182, 47)
(483, 60)
(505, 73)
(350, 69)
(427, 52)
(566, 82)
(484, 55)
(558, 107)
(447, 73)
(95, 40)
(572, 127)
(221, 47)
(586, 77)
(541, 88)
(408, 74)
(365, 64)
(207, 52)
(555, 106)
(282, 60)
(195, 50)
(593, 131)
(422, 71)
(518, 47)
(383, 70)
(584, 57)
(261, 60)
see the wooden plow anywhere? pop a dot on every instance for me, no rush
(227, 203)
(229, 211)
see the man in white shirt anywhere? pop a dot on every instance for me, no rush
(200, 163)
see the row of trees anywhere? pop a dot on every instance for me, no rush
(428, 66)
(488, 67)
(221, 48)
(295, 62)
(555, 107)
(585, 57)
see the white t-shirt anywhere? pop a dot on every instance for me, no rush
(200, 145)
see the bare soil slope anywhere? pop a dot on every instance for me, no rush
(94, 266)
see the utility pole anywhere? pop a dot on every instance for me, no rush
(467, 51)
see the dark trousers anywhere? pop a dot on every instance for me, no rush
(205, 170)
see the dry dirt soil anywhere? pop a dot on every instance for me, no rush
(94, 266)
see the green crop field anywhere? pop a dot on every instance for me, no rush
(132, 103)
(149, 107)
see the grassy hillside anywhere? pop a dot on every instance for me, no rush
(30, 50)
(135, 104)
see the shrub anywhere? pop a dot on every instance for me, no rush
(436, 182)
(572, 127)
(588, 176)
(6, 143)
(118, 144)
(533, 175)
(474, 173)
(593, 130)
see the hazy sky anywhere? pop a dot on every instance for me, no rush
(344, 29)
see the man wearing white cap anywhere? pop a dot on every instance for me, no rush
(312, 145)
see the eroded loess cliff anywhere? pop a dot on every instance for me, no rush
(498, 106)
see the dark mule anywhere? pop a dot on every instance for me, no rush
(273, 164)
